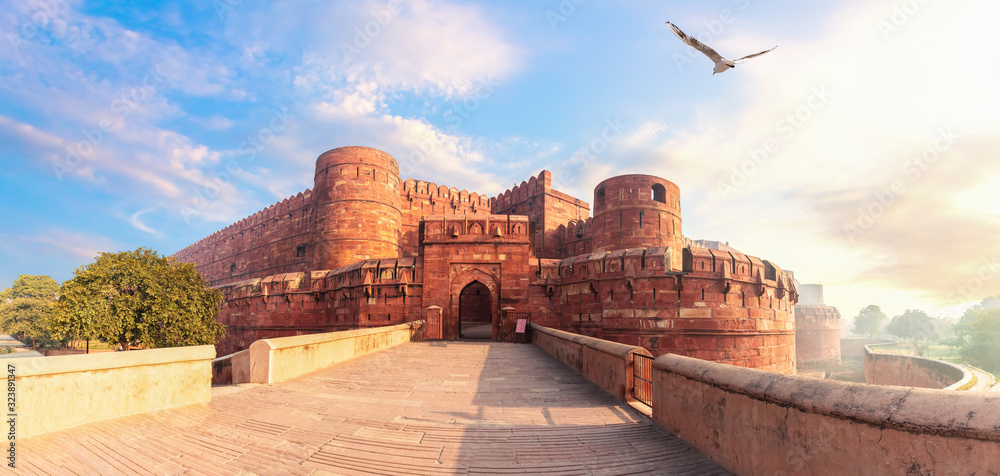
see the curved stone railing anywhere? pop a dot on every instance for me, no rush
(756, 422)
(54, 393)
(912, 371)
(284, 358)
(607, 364)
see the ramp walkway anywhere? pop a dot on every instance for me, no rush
(455, 407)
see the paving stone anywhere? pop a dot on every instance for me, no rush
(323, 424)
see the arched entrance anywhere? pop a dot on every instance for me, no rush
(475, 316)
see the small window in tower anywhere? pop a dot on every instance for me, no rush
(659, 193)
(600, 198)
(300, 251)
(232, 268)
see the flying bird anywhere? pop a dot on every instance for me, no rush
(721, 64)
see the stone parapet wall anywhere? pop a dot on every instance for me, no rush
(810, 426)
(913, 371)
(54, 393)
(285, 358)
(607, 364)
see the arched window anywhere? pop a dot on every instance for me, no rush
(600, 198)
(659, 193)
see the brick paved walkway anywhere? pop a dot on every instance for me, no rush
(420, 408)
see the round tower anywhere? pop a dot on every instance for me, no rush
(636, 211)
(357, 212)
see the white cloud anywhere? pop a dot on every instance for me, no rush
(887, 102)
(136, 222)
(75, 247)
(428, 47)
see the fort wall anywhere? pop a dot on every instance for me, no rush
(369, 250)
(547, 208)
(637, 211)
(724, 306)
(357, 207)
(459, 250)
(272, 241)
(420, 199)
(817, 334)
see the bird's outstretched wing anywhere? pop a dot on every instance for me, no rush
(755, 54)
(715, 57)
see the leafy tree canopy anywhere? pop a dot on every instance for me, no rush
(964, 327)
(983, 349)
(27, 320)
(914, 324)
(29, 286)
(869, 321)
(138, 298)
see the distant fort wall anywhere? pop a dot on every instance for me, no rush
(817, 335)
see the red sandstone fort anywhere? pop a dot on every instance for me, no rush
(365, 249)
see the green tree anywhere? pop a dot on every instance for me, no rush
(27, 320)
(138, 298)
(26, 309)
(963, 329)
(983, 349)
(917, 326)
(30, 286)
(869, 321)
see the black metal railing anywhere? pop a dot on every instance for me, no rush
(508, 326)
(642, 378)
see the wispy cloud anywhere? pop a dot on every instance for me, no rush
(136, 221)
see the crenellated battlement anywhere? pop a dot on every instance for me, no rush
(300, 201)
(419, 189)
(534, 186)
(462, 228)
(364, 248)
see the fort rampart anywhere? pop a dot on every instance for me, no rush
(364, 248)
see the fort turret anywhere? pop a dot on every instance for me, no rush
(636, 211)
(357, 213)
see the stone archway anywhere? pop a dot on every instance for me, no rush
(464, 277)
(475, 317)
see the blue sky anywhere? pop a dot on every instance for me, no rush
(861, 153)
